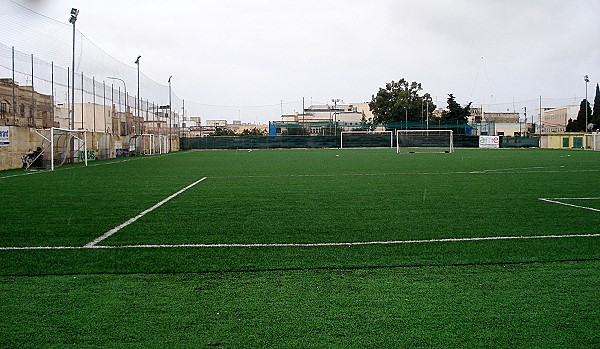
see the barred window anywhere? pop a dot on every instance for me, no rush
(3, 107)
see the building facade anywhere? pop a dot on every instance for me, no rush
(23, 106)
(556, 119)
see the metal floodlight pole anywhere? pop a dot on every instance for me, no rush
(586, 79)
(72, 20)
(137, 107)
(335, 102)
(170, 113)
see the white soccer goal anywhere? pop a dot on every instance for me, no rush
(592, 141)
(148, 144)
(424, 141)
(56, 147)
(162, 144)
(366, 139)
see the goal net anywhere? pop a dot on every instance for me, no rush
(59, 146)
(424, 141)
(366, 139)
(592, 141)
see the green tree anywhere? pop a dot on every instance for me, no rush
(571, 126)
(580, 122)
(223, 131)
(400, 101)
(365, 124)
(596, 111)
(253, 132)
(455, 113)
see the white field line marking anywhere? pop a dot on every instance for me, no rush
(321, 244)
(554, 201)
(498, 171)
(121, 226)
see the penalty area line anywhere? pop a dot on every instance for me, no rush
(555, 201)
(142, 214)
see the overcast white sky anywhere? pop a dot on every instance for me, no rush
(259, 52)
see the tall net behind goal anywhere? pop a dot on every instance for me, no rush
(367, 139)
(424, 141)
(57, 144)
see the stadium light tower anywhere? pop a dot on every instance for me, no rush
(170, 112)
(72, 20)
(335, 102)
(586, 79)
(137, 107)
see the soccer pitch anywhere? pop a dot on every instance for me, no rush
(305, 248)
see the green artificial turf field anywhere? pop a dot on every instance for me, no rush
(304, 248)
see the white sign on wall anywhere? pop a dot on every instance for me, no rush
(489, 141)
(4, 135)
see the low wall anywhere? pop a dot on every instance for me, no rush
(22, 140)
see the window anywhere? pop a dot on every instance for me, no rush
(3, 107)
(577, 142)
(566, 142)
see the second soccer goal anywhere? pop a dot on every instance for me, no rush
(424, 141)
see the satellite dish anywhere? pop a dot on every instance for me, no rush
(590, 127)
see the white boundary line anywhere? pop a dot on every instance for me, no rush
(554, 201)
(123, 225)
(475, 172)
(322, 244)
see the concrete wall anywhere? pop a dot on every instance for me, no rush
(25, 139)
(563, 140)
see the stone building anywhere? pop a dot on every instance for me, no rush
(23, 106)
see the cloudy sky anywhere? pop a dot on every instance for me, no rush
(243, 53)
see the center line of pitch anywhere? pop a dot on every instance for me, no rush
(132, 220)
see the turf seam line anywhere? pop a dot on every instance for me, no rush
(323, 244)
(143, 213)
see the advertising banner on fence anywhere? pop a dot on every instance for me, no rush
(4, 135)
(489, 141)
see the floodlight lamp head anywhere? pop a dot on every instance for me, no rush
(137, 61)
(74, 13)
(586, 78)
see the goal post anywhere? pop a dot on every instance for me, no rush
(56, 147)
(366, 139)
(148, 143)
(424, 141)
(592, 141)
